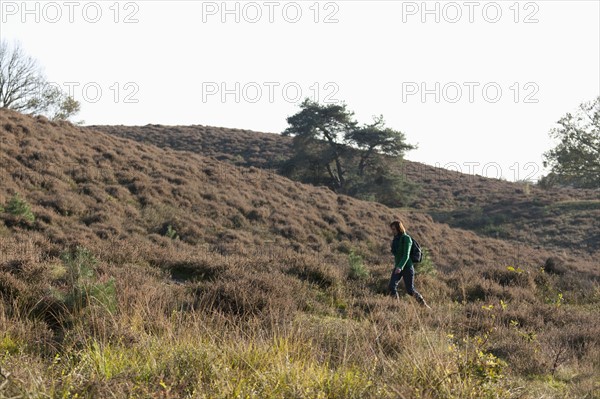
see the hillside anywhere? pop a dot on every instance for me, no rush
(490, 207)
(143, 271)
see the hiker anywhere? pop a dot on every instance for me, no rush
(403, 266)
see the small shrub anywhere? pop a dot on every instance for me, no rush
(426, 266)
(9, 345)
(554, 265)
(83, 285)
(345, 247)
(80, 264)
(237, 221)
(255, 215)
(104, 293)
(358, 270)
(314, 272)
(510, 277)
(171, 233)
(193, 270)
(329, 236)
(19, 207)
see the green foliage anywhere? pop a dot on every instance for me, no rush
(9, 346)
(476, 365)
(80, 264)
(426, 266)
(171, 233)
(331, 148)
(318, 132)
(83, 285)
(486, 366)
(576, 159)
(374, 139)
(557, 301)
(54, 103)
(19, 207)
(104, 293)
(383, 184)
(184, 367)
(358, 270)
(518, 270)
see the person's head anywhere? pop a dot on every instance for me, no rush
(397, 227)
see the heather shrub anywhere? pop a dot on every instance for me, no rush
(17, 206)
(358, 271)
(511, 276)
(312, 270)
(555, 265)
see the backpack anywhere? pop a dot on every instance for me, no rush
(416, 254)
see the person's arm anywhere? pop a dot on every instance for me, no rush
(406, 243)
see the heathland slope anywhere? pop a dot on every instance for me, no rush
(95, 185)
(130, 270)
(491, 207)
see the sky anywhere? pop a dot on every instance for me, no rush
(476, 85)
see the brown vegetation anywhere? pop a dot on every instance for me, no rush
(151, 272)
(491, 207)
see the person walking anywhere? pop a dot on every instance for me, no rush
(403, 265)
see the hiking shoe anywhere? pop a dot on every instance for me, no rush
(424, 304)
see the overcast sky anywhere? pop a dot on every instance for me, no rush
(476, 84)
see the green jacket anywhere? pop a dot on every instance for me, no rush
(401, 249)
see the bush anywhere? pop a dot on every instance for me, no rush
(313, 271)
(83, 285)
(171, 233)
(426, 265)
(554, 265)
(358, 270)
(19, 207)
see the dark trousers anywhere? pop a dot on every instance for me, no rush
(408, 273)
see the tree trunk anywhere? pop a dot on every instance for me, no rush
(336, 156)
(333, 177)
(363, 160)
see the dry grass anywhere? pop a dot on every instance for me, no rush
(254, 299)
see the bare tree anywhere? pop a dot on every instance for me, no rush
(24, 88)
(20, 78)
